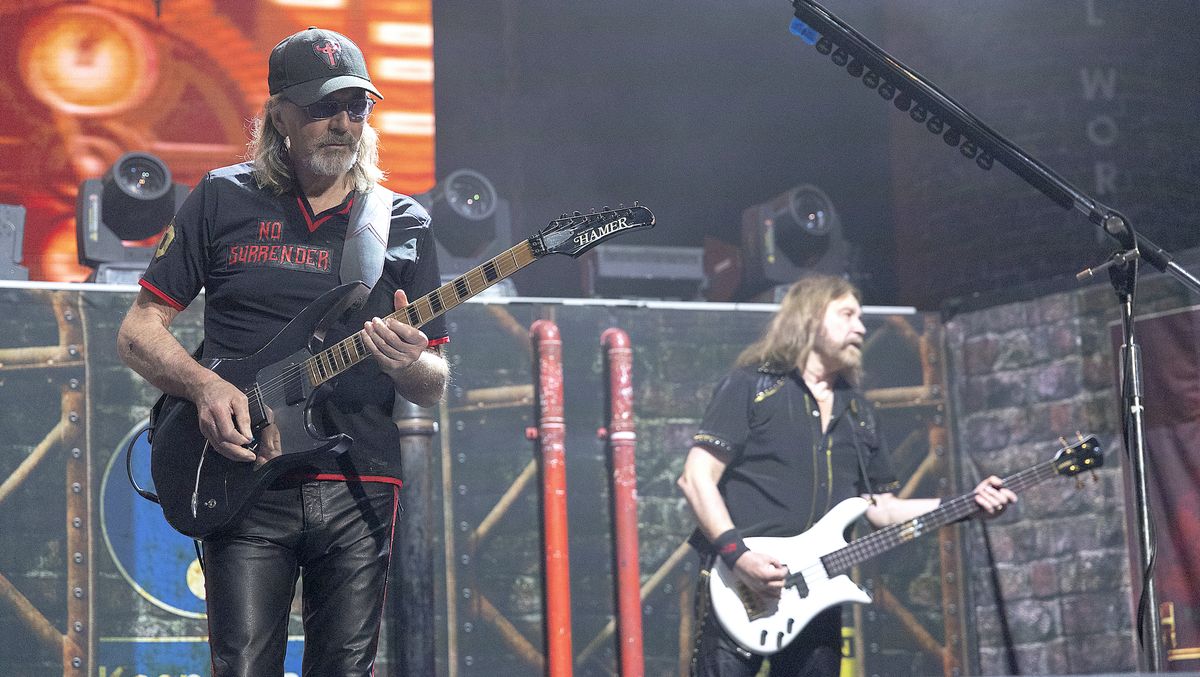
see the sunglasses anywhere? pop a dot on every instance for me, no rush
(357, 109)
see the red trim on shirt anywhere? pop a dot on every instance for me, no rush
(438, 341)
(161, 294)
(315, 224)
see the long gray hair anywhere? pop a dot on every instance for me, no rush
(793, 331)
(268, 148)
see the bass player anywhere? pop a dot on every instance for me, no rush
(786, 436)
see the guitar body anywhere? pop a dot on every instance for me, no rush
(201, 491)
(765, 627)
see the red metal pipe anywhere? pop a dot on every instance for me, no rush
(550, 435)
(622, 443)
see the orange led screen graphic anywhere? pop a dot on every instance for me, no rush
(179, 79)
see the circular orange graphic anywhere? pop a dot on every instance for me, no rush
(85, 60)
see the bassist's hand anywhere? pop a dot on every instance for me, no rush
(224, 418)
(993, 496)
(761, 573)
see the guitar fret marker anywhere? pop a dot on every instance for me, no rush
(435, 302)
(489, 271)
(461, 288)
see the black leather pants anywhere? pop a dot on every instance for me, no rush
(339, 534)
(816, 652)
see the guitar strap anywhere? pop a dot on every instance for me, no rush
(858, 420)
(366, 246)
(367, 236)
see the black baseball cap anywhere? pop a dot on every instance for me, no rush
(307, 66)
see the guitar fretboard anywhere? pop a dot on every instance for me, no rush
(841, 561)
(350, 351)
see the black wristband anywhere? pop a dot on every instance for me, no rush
(730, 547)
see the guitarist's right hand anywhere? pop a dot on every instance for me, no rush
(761, 573)
(224, 418)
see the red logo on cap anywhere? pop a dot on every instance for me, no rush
(329, 50)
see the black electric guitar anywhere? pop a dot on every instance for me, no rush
(819, 560)
(203, 492)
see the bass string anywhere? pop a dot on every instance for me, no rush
(953, 510)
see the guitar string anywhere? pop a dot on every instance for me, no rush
(284, 378)
(886, 538)
(280, 382)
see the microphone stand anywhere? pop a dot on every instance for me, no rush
(975, 140)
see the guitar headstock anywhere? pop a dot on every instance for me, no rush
(1076, 458)
(575, 234)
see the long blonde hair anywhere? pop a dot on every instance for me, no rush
(272, 168)
(793, 331)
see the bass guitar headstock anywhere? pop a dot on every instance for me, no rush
(1073, 459)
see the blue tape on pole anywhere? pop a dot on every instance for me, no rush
(806, 32)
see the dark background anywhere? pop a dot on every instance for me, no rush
(705, 108)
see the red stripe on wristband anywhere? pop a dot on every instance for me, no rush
(730, 547)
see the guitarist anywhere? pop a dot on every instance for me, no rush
(264, 239)
(786, 436)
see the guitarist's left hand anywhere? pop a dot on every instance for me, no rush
(395, 345)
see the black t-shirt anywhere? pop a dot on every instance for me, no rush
(783, 472)
(261, 259)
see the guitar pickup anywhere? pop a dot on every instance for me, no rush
(259, 416)
(293, 391)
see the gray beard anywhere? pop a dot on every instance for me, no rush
(332, 161)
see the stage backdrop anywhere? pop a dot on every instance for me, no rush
(699, 109)
(91, 577)
(90, 81)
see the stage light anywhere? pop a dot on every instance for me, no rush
(464, 223)
(794, 233)
(471, 224)
(852, 61)
(133, 202)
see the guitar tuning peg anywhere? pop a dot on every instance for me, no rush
(1064, 441)
(578, 214)
(564, 215)
(605, 208)
(637, 203)
(1079, 435)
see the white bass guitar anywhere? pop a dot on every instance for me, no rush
(819, 560)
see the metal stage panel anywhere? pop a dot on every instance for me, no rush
(77, 545)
